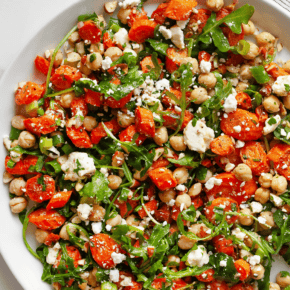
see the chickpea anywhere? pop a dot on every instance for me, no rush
(199, 95)
(97, 214)
(185, 243)
(26, 139)
(245, 72)
(282, 281)
(92, 281)
(269, 220)
(265, 39)
(271, 104)
(183, 199)
(245, 254)
(63, 232)
(117, 220)
(124, 14)
(114, 53)
(58, 58)
(274, 286)
(265, 180)
(249, 28)
(17, 122)
(207, 177)
(90, 123)
(214, 5)
(262, 195)
(7, 177)
(209, 80)
(286, 66)
(243, 172)
(41, 235)
(199, 229)
(195, 189)
(286, 101)
(132, 220)
(177, 143)
(279, 183)
(84, 69)
(94, 61)
(18, 204)
(97, 47)
(137, 175)
(193, 62)
(161, 136)
(257, 272)
(253, 51)
(125, 120)
(74, 37)
(181, 175)
(241, 87)
(66, 99)
(16, 186)
(167, 195)
(173, 259)
(246, 220)
(118, 159)
(114, 181)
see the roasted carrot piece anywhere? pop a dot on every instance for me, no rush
(159, 14)
(242, 125)
(79, 106)
(200, 17)
(234, 59)
(203, 55)
(233, 158)
(28, 93)
(277, 151)
(141, 30)
(72, 252)
(147, 63)
(112, 103)
(206, 276)
(169, 102)
(88, 30)
(40, 188)
(174, 57)
(283, 166)
(51, 238)
(160, 162)
(162, 178)
(136, 15)
(144, 122)
(254, 155)
(222, 145)
(107, 41)
(223, 12)
(18, 168)
(41, 125)
(178, 284)
(244, 101)
(128, 134)
(158, 282)
(206, 163)
(163, 214)
(126, 207)
(46, 219)
(232, 37)
(223, 245)
(215, 284)
(262, 114)
(243, 268)
(79, 137)
(180, 9)
(150, 206)
(42, 65)
(275, 71)
(232, 187)
(102, 247)
(99, 132)
(59, 199)
(93, 98)
(64, 76)
(171, 120)
(242, 286)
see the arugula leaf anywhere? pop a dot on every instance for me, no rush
(158, 233)
(97, 188)
(260, 75)
(158, 46)
(201, 172)
(189, 271)
(254, 93)
(185, 161)
(156, 70)
(24, 151)
(282, 132)
(287, 88)
(14, 133)
(85, 17)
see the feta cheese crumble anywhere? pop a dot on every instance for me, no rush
(52, 254)
(129, 3)
(270, 128)
(166, 33)
(279, 86)
(205, 66)
(114, 275)
(97, 227)
(231, 103)
(106, 63)
(198, 257)
(118, 258)
(177, 36)
(84, 211)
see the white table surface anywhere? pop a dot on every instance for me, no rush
(18, 20)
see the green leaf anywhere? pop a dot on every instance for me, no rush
(243, 47)
(124, 194)
(14, 133)
(22, 215)
(85, 17)
(24, 151)
(158, 233)
(185, 161)
(158, 46)
(201, 172)
(282, 132)
(287, 89)
(189, 271)
(259, 74)
(97, 188)
(40, 180)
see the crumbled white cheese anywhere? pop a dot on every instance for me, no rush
(198, 138)
(240, 144)
(163, 84)
(237, 128)
(171, 202)
(223, 263)
(231, 103)
(212, 182)
(166, 33)
(84, 211)
(198, 257)
(78, 165)
(177, 36)
(256, 207)
(114, 275)
(127, 49)
(106, 63)
(261, 220)
(254, 260)
(121, 37)
(270, 128)
(182, 23)
(127, 281)
(129, 3)
(205, 66)
(97, 227)
(238, 234)
(276, 200)
(229, 167)
(52, 254)
(118, 258)
(279, 86)
(180, 187)
(108, 228)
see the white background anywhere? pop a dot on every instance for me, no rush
(19, 21)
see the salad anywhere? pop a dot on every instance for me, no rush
(156, 153)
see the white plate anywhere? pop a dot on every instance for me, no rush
(269, 15)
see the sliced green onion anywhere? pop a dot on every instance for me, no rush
(40, 111)
(67, 149)
(243, 47)
(40, 102)
(115, 27)
(44, 144)
(14, 133)
(260, 75)
(108, 286)
(11, 163)
(57, 140)
(31, 107)
(52, 167)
